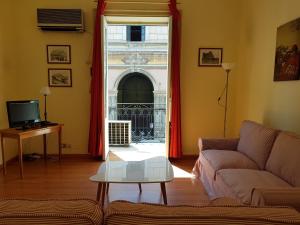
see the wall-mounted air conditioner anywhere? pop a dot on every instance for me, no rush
(119, 132)
(60, 19)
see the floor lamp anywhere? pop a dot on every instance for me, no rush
(45, 91)
(227, 67)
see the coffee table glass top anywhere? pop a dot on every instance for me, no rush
(153, 170)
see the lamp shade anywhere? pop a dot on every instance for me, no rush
(228, 66)
(45, 90)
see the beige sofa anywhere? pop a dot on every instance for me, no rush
(260, 168)
(87, 212)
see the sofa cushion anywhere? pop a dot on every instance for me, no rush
(284, 158)
(242, 181)
(215, 160)
(220, 144)
(256, 142)
(130, 213)
(21, 211)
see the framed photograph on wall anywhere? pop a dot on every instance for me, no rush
(287, 57)
(59, 77)
(59, 54)
(210, 56)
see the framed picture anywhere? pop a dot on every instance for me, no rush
(287, 57)
(210, 56)
(59, 77)
(59, 54)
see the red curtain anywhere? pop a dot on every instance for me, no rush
(96, 133)
(175, 126)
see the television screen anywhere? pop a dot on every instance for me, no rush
(22, 113)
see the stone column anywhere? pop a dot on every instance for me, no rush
(159, 115)
(112, 105)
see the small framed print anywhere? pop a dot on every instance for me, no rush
(59, 77)
(59, 54)
(210, 56)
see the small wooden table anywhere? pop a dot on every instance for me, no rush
(153, 170)
(20, 135)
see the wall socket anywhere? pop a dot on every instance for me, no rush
(64, 145)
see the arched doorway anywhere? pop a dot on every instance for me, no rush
(135, 103)
(135, 88)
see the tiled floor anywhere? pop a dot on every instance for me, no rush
(140, 151)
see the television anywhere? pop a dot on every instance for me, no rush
(23, 113)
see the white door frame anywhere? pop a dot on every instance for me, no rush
(105, 96)
(105, 76)
(168, 96)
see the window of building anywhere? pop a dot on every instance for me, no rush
(135, 33)
(157, 33)
(116, 33)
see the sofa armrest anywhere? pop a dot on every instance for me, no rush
(276, 197)
(218, 144)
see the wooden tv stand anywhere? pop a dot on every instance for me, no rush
(20, 135)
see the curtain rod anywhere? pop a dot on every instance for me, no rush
(136, 15)
(137, 2)
(135, 10)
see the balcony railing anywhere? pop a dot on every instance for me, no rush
(147, 120)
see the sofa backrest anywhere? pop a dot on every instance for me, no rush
(58, 212)
(284, 160)
(130, 213)
(256, 141)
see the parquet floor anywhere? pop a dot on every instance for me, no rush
(70, 180)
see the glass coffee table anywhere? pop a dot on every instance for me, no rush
(153, 170)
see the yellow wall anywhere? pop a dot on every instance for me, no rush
(205, 23)
(245, 29)
(257, 97)
(69, 106)
(7, 68)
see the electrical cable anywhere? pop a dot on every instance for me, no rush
(221, 96)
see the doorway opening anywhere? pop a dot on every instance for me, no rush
(137, 80)
(135, 103)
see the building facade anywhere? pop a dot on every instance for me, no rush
(137, 59)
